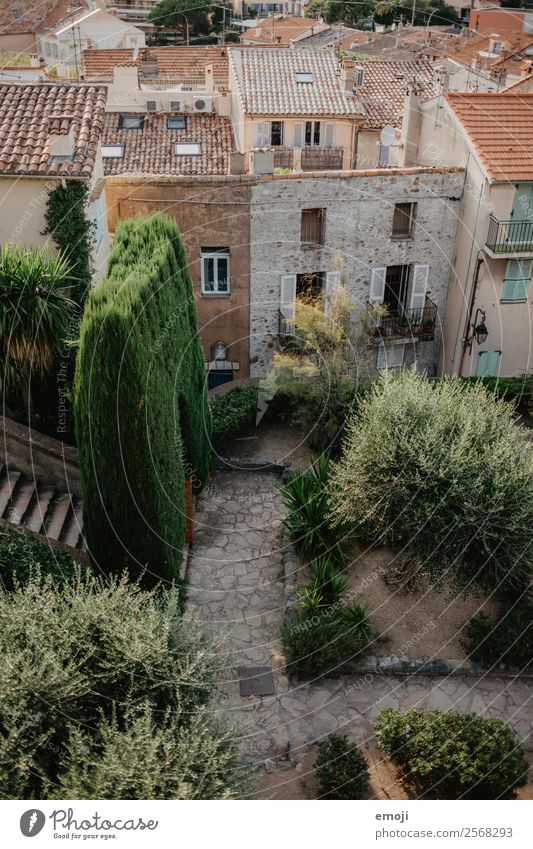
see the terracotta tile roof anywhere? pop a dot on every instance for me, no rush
(63, 9)
(185, 64)
(150, 151)
(267, 85)
(383, 92)
(279, 30)
(30, 113)
(514, 44)
(500, 127)
(32, 14)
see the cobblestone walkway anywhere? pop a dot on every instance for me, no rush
(236, 587)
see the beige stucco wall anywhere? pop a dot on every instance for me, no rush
(477, 280)
(22, 221)
(18, 43)
(343, 133)
(367, 149)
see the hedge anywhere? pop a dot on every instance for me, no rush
(21, 556)
(451, 755)
(342, 769)
(142, 419)
(233, 411)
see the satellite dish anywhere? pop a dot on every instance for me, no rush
(387, 135)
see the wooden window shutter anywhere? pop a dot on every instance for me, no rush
(329, 135)
(516, 281)
(287, 295)
(419, 287)
(333, 282)
(377, 285)
(298, 134)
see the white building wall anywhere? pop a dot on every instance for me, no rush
(358, 227)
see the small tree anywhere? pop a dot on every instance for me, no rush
(327, 352)
(441, 469)
(452, 755)
(35, 313)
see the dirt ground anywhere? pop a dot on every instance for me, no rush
(273, 441)
(421, 622)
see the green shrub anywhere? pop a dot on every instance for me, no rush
(106, 691)
(314, 410)
(21, 556)
(321, 638)
(504, 639)
(342, 769)
(440, 468)
(308, 521)
(519, 390)
(453, 755)
(142, 419)
(231, 412)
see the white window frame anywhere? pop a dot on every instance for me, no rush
(114, 151)
(135, 122)
(304, 77)
(215, 256)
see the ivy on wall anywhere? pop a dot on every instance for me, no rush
(72, 232)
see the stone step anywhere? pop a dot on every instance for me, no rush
(38, 508)
(58, 511)
(73, 527)
(8, 481)
(20, 500)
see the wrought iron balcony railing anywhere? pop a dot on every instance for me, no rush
(507, 238)
(406, 323)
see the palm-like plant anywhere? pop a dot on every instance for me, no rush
(35, 310)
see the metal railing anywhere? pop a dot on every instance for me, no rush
(406, 323)
(509, 236)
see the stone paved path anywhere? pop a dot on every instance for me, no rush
(236, 588)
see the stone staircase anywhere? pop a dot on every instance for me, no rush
(41, 510)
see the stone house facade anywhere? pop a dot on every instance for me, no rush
(392, 233)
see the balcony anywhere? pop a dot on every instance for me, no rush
(418, 324)
(283, 157)
(509, 239)
(322, 158)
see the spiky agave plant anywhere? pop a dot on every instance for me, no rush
(35, 310)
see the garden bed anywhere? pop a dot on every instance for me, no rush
(419, 622)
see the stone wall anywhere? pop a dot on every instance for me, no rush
(358, 226)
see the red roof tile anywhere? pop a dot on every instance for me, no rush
(29, 114)
(186, 64)
(500, 127)
(150, 150)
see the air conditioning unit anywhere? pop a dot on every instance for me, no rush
(175, 106)
(203, 104)
(151, 105)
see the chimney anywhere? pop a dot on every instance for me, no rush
(62, 144)
(126, 77)
(411, 124)
(209, 79)
(347, 75)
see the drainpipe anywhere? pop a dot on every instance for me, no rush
(467, 343)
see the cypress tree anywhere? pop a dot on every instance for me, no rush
(142, 419)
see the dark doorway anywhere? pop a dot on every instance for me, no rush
(396, 286)
(309, 287)
(217, 378)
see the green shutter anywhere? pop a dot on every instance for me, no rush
(488, 364)
(516, 280)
